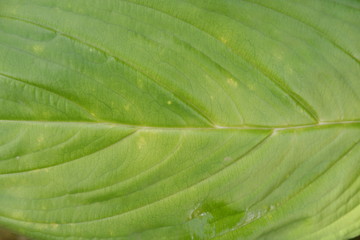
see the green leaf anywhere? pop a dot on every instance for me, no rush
(181, 119)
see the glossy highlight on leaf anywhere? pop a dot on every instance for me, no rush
(181, 119)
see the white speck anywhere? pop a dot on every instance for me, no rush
(249, 217)
(227, 159)
(203, 214)
(252, 216)
(17, 157)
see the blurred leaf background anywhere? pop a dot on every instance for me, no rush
(7, 235)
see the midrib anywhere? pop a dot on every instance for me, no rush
(164, 128)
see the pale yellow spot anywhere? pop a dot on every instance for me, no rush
(14, 10)
(223, 39)
(141, 143)
(127, 107)
(40, 139)
(231, 82)
(290, 70)
(38, 48)
(251, 86)
(54, 225)
(278, 55)
(212, 97)
(140, 83)
(169, 102)
(18, 214)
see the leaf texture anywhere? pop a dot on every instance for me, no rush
(205, 119)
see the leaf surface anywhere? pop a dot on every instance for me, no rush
(134, 119)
